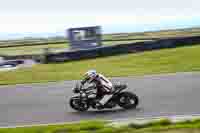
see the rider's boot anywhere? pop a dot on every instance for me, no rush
(99, 105)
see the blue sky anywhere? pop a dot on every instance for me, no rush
(39, 16)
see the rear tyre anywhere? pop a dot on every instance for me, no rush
(79, 105)
(128, 100)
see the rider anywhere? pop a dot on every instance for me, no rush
(103, 85)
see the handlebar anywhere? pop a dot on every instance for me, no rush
(81, 87)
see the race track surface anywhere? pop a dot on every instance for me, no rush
(171, 94)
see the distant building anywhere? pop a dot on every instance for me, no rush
(84, 37)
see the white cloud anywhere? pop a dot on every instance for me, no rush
(58, 22)
(57, 15)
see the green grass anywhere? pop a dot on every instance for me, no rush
(109, 43)
(182, 59)
(66, 128)
(38, 49)
(156, 34)
(163, 126)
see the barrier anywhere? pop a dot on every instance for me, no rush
(112, 50)
(123, 49)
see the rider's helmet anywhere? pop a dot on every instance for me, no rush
(90, 75)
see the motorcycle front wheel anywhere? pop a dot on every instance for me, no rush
(78, 105)
(128, 100)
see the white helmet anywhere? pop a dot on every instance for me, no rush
(91, 74)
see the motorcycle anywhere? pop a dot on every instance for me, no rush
(86, 98)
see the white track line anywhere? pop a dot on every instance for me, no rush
(173, 118)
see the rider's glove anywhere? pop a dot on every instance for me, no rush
(82, 82)
(81, 85)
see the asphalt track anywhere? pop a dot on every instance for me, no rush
(171, 94)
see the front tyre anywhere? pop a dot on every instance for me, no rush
(78, 105)
(128, 100)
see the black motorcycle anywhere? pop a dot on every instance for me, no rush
(87, 98)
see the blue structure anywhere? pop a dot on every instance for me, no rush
(84, 37)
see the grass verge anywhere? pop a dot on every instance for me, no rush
(162, 126)
(155, 62)
(38, 49)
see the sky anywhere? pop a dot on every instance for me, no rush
(42, 16)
